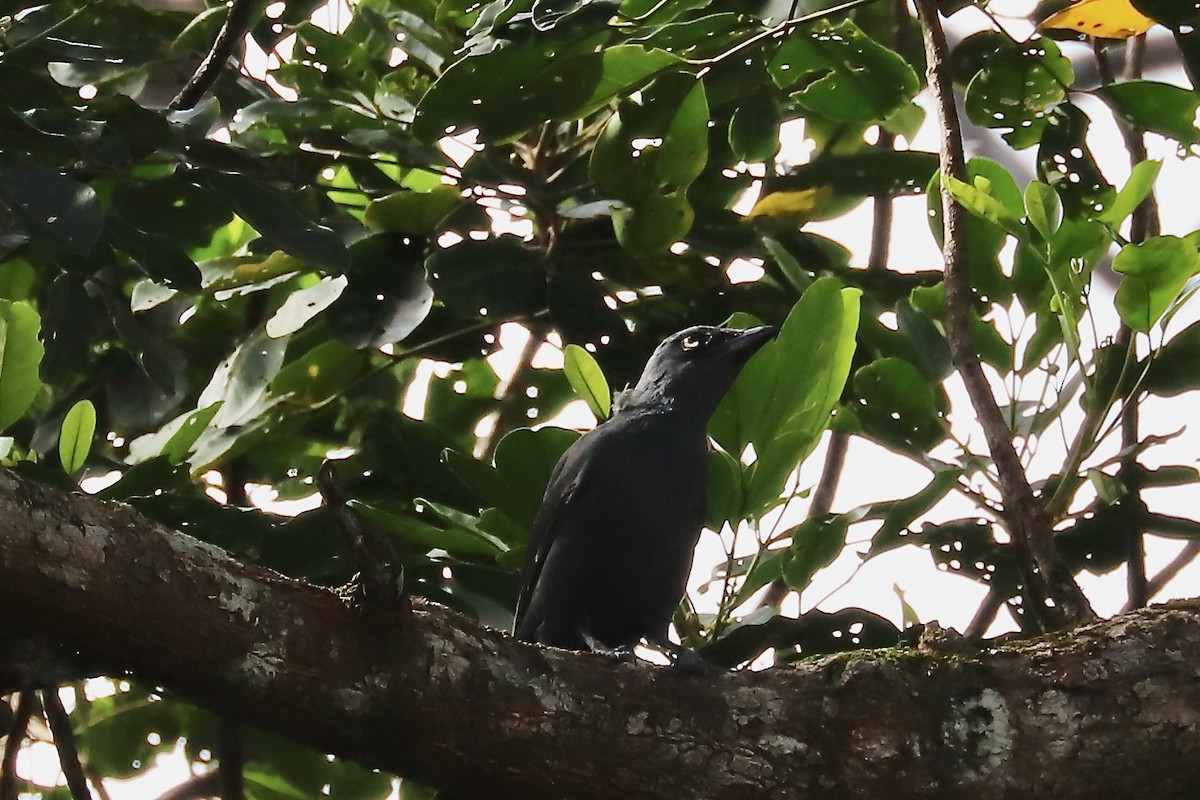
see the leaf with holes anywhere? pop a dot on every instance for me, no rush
(1017, 88)
(843, 73)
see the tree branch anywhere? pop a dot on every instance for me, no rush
(64, 742)
(241, 14)
(1106, 711)
(15, 737)
(1056, 598)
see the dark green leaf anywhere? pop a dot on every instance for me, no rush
(1018, 85)
(843, 74)
(67, 210)
(1153, 106)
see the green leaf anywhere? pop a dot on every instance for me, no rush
(525, 459)
(754, 128)
(1136, 189)
(1017, 87)
(177, 447)
(1043, 208)
(1158, 107)
(75, 436)
(1153, 273)
(907, 613)
(654, 223)
(305, 304)
(587, 379)
(977, 198)
(655, 144)
(784, 397)
(322, 373)
(1065, 161)
(463, 538)
(898, 406)
(274, 216)
(843, 73)
(868, 173)
(20, 355)
(241, 380)
(412, 213)
(65, 209)
(816, 543)
(1174, 368)
(509, 90)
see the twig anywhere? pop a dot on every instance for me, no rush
(195, 788)
(64, 741)
(49, 31)
(26, 701)
(1155, 585)
(97, 780)
(380, 580)
(985, 615)
(783, 28)
(1145, 223)
(241, 12)
(1057, 598)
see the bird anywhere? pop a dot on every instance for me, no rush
(611, 545)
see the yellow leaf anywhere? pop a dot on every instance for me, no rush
(1103, 19)
(796, 205)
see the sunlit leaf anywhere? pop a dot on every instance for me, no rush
(587, 379)
(1153, 272)
(1104, 19)
(75, 436)
(20, 355)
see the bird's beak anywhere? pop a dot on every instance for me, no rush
(748, 342)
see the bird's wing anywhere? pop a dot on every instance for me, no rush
(560, 491)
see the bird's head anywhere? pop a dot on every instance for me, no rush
(693, 369)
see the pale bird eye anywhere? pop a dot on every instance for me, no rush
(691, 342)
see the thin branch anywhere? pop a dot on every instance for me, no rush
(195, 788)
(1155, 585)
(1057, 599)
(778, 31)
(985, 615)
(822, 502)
(64, 741)
(49, 31)
(241, 14)
(26, 703)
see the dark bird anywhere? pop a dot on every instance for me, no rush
(611, 546)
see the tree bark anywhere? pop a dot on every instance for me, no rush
(1111, 709)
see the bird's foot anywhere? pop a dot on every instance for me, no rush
(623, 654)
(685, 661)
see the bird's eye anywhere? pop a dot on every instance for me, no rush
(694, 341)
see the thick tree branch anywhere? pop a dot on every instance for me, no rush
(1108, 711)
(1051, 586)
